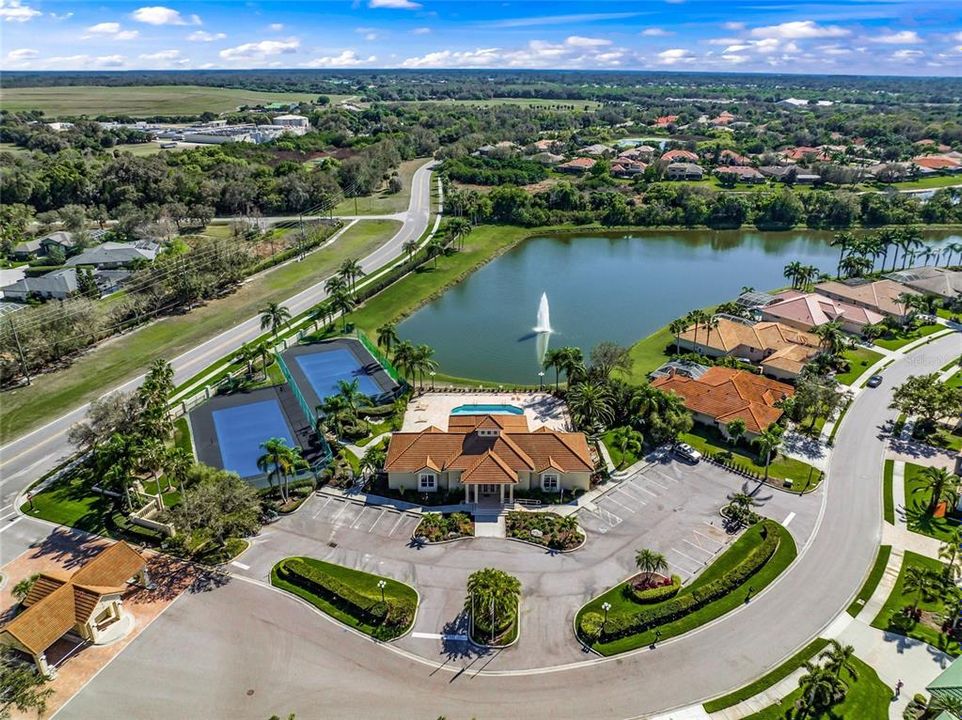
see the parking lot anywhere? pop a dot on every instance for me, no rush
(343, 515)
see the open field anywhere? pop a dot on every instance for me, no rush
(522, 102)
(120, 358)
(140, 101)
(383, 202)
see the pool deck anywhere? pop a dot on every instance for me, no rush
(434, 408)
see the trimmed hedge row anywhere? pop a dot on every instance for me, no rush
(371, 610)
(629, 624)
(317, 239)
(655, 594)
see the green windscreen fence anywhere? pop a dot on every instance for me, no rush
(380, 357)
(305, 408)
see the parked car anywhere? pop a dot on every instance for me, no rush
(874, 381)
(686, 452)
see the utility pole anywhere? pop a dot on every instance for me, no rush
(23, 360)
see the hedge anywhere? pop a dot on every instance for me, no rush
(655, 594)
(321, 583)
(629, 624)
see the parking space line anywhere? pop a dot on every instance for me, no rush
(360, 515)
(684, 566)
(631, 497)
(349, 517)
(344, 504)
(621, 505)
(697, 562)
(624, 488)
(400, 519)
(317, 512)
(698, 547)
(709, 539)
(655, 482)
(665, 476)
(383, 511)
(650, 492)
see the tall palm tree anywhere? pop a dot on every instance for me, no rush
(353, 397)
(423, 362)
(650, 562)
(387, 336)
(793, 272)
(844, 241)
(838, 657)
(321, 314)
(572, 362)
(263, 349)
(710, 324)
(282, 461)
(676, 328)
(909, 240)
(951, 553)
(590, 404)
(336, 284)
(247, 354)
(768, 443)
(820, 688)
(554, 358)
(274, 316)
(404, 358)
(435, 249)
(493, 594)
(342, 302)
(628, 441)
(940, 485)
(458, 228)
(832, 337)
(351, 271)
(920, 581)
(410, 247)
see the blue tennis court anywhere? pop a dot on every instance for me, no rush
(242, 428)
(324, 368)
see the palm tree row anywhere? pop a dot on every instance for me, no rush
(492, 595)
(282, 462)
(802, 276)
(413, 362)
(859, 255)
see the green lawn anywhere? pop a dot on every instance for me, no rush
(860, 360)
(955, 381)
(918, 518)
(868, 698)
(935, 181)
(872, 581)
(139, 101)
(947, 315)
(888, 499)
(896, 340)
(182, 435)
(621, 602)
(383, 202)
(621, 460)
(124, 357)
(709, 440)
(649, 354)
(362, 582)
(892, 618)
(768, 679)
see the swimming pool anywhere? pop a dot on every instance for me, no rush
(482, 409)
(241, 429)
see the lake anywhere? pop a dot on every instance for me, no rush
(620, 288)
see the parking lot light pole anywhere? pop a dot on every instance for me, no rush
(432, 380)
(541, 380)
(606, 606)
(382, 584)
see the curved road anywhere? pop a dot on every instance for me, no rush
(293, 661)
(30, 456)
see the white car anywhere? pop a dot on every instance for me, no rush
(687, 453)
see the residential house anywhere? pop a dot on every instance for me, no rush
(722, 394)
(684, 171)
(488, 457)
(929, 164)
(627, 168)
(27, 250)
(809, 154)
(723, 119)
(807, 178)
(945, 283)
(665, 121)
(56, 285)
(296, 124)
(780, 350)
(880, 296)
(781, 173)
(807, 311)
(730, 157)
(948, 685)
(547, 158)
(577, 166)
(597, 150)
(548, 145)
(86, 605)
(680, 156)
(112, 255)
(742, 173)
(642, 153)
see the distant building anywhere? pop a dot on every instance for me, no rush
(56, 285)
(945, 283)
(547, 158)
(684, 171)
(680, 156)
(807, 311)
(744, 174)
(597, 150)
(112, 255)
(297, 123)
(577, 166)
(881, 296)
(937, 163)
(730, 157)
(27, 249)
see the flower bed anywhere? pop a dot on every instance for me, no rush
(435, 527)
(544, 528)
(647, 590)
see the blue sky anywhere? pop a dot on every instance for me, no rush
(901, 37)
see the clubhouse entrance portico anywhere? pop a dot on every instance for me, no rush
(489, 493)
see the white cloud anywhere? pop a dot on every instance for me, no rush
(160, 15)
(204, 36)
(347, 58)
(161, 55)
(394, 4)
(109, 61)
(260, 50)
(110, 30)
(16, 11)
(834, 50)
(799, 30)
(421, 31)
(22, 54)
(369, 34)
(65, 16)
(735, 59)
(579, 41)
(734, 26)
(736, 48)
(655, 32)
(903, 37)
(907, 54)
(536, 54)
(675, 56)
(276, 27)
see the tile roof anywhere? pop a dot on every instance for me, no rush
(503, 455)
(881, 295)
(937, 162)
(580, 163)
(731, 334)
(58, 602)
(726, 394)
(677, 155)
(814, 310)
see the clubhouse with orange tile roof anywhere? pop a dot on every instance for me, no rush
(488, 456)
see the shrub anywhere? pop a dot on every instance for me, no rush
(655, 594)
(591, 625)
(632, 623)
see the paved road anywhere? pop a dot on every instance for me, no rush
(292, 660)
(30, 456)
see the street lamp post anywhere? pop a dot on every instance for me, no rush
(432, 380)
(541, 380)
(606, 606)
(382, 584)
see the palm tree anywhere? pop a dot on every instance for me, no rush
(710, 324)
(351, 271)
(322, 313)
(23, 588)
(342, 302)
(263, 350)
(820, 688)
(274, 316)
(676, 328)
(590, 404)
(435, 248)
(838, 657)
(768, 443)
(844, 241)
(572, 362)
(281, 460)
(554, 359)
(735, 430)
(832, 337)
(951, 553)
(946, 703)
(492, 594)
(404, 357)
(410, 247)
(855, 265)
(458, 228)
(628, 441)
(335, 414)
(909, 240)
(696, 317)
(335, 284)
(353, 397)
(422, 362)
(810, 274)
(247, 354)
(920, 581)
(793, 272)
(650, 562)
(387, 336)
(940, 484)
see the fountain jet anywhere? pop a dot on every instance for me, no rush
(544, 320)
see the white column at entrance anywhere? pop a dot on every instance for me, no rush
(467, 497)
(511, 494)
(502, 492)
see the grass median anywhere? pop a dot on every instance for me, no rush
(859, 360)
(872, 581)
(121, 358)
